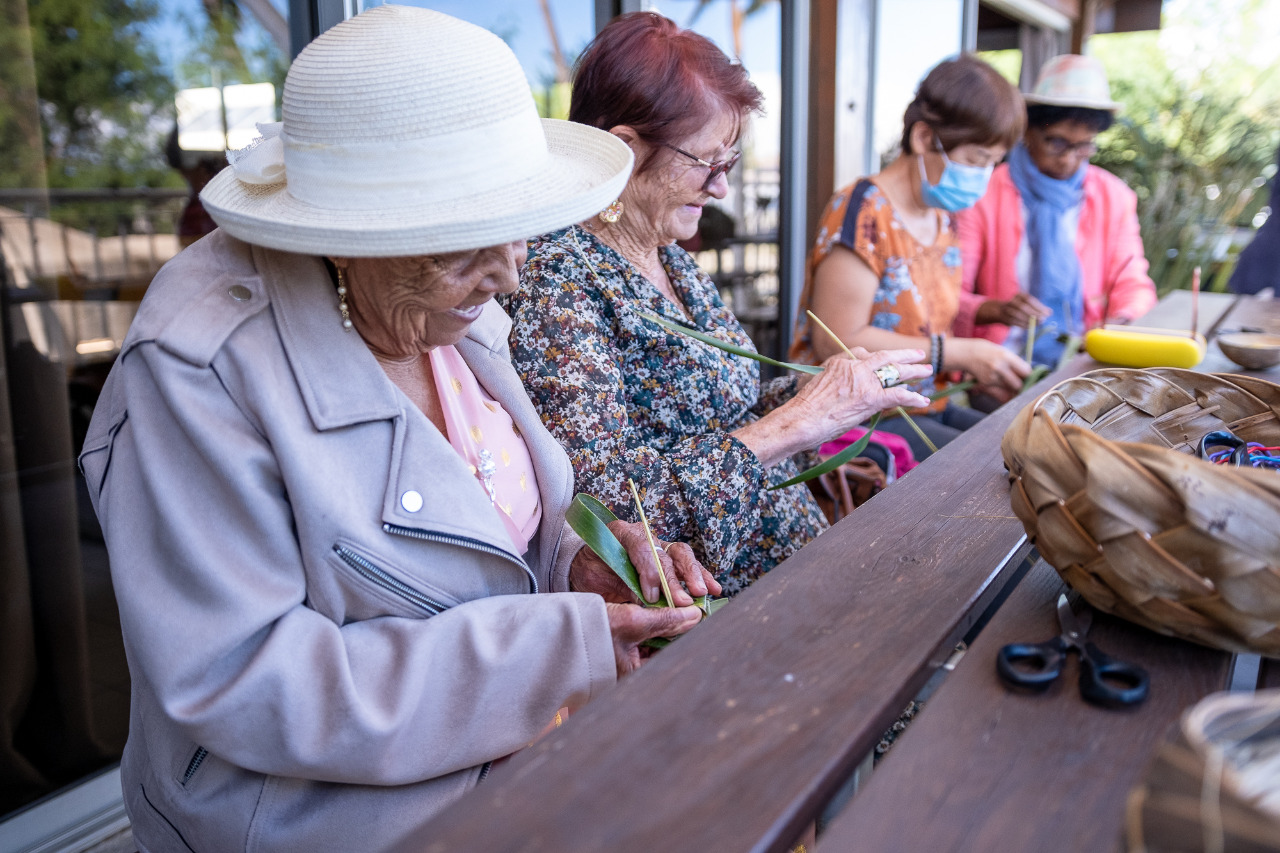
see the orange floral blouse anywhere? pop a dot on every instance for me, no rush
(919, 292)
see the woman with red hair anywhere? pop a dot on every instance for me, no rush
(693, 426)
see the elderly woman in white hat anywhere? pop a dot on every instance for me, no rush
(327, 500)
(1054, 238)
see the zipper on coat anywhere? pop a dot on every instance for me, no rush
(194, 764)
(376, 575)
(484, 772)
(465, 542)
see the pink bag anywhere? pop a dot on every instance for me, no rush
(903, 460)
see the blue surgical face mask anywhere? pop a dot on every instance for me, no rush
(959, 187)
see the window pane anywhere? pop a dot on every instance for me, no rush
(546, 36)
(116, 116)
(905, 52)
(737, 243)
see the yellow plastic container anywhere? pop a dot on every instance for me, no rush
(1131, 346)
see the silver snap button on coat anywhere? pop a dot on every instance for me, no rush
(411, 501)
(240, 293)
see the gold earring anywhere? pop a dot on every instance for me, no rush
(612, 213)
(342, 301)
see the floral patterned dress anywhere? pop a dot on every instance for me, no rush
(628, 399)
(919, 286)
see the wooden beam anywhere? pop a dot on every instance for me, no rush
(823, 27)
(1084, 26)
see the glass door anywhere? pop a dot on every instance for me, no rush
(112, 117)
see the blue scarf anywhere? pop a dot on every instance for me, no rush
(1055, 269)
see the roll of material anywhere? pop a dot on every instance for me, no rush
(1137, 347)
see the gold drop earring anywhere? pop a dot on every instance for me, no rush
(612, 213)
(342, 302)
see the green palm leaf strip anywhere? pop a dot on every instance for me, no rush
(835, 461)
(764, 359)
(1070, 350)
(728, 347)
(1041, 371)
(653, 545)
(952, 389)
(590, 519)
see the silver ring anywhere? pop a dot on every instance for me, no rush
(888, 375)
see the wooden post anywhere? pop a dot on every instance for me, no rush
(1084, 26)
(823, 27)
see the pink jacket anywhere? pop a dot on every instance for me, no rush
(1116, 285)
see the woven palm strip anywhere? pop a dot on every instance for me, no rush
(1104, 478)
(1216, 787)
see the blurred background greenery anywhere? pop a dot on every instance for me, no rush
(1198, 135)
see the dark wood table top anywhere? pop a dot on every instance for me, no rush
(998, 768)
(995, 768)
(735, 737)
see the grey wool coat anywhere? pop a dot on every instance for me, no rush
(314, 665)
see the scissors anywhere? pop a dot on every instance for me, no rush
(1103, 680)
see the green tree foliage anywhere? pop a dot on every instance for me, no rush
(23, 161)
(229, 47)
(1198, 133)
(105, 102)
(91, 72)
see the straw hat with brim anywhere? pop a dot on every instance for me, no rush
(409, 132)
(1071, 80)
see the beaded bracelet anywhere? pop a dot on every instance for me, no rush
(935, 353)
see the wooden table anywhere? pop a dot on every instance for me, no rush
(736, 737)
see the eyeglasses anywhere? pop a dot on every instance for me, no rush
(1057, 146)
(718, 168)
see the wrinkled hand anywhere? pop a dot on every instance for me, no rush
(630, 625)
(989, 363)
(803, 379)
(847, 391)
(686, 577)
(1017, 311)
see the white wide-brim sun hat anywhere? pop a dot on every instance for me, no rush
(409, 132)
(1072, 80)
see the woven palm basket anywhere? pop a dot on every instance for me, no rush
(1216, 786)
(1104, 478)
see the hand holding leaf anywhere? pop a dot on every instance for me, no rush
(638, 630)
(606, 566)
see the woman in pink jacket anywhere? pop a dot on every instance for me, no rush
(1054, 237)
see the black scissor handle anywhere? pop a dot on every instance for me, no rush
(1033, 665)
(1109, 682)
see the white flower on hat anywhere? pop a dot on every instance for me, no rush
(262, 160)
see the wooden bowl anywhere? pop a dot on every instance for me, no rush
(1251, 350)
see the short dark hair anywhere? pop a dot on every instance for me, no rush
(643, 71)
(966, 101)
(1043, 115)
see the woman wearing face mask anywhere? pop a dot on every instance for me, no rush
(885, 269)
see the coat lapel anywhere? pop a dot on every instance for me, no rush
(429, 487)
